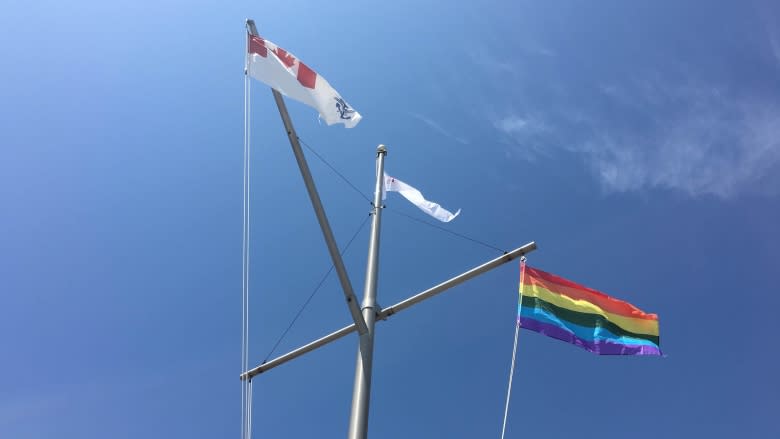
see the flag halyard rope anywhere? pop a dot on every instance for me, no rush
(316, 289)
(514, 347)
(246, 385)
(336, 171)
(359, 192)
(459, 235)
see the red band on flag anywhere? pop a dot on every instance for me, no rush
(306, 76)
(564, 287)
(286, 74)
(257, 45)
(285, 57)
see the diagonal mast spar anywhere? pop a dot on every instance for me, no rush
(316, 203)
(385, 313)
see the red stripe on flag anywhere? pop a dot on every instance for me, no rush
(285, 57)
(257, 45)
(558, 285)
(306, 76)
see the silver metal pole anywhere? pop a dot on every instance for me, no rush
(330, 241)
(459, 279)
(361, 394)
(298, 352)
(251, 27)
(338, 263)
(394, 309)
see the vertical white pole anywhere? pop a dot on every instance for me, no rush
(246, 395)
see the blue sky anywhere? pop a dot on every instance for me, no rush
(637, 144)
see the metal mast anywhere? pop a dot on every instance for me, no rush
(316, 203)
(361, 394)
(364, 317)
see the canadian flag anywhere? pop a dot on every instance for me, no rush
(282, 71)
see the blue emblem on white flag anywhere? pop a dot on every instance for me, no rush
(345, 112)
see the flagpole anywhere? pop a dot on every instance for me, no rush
(316, 203)
(361, 394)
(514, 347)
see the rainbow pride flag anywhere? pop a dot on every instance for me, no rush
(576, 314)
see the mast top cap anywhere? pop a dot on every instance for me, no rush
(381, 149)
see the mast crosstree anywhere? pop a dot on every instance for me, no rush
(365, 316)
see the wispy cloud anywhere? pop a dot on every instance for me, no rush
(526, 134)
(769, 19)
(775, 45)
(692, 138)
(438, 128)
(703, 142)
(662, 119)
(512, 124)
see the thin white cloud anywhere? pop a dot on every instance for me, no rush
(527, 135)
(438, 128)
(711, 145)
(666, 129)
(769, 20)
(775, 45)
(693, 138)
(511, 125)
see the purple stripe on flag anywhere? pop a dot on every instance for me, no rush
(600, 347)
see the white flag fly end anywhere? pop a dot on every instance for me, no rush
(282, 71)
(416, 197)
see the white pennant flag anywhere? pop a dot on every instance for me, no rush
(282, 71)
(416, 197)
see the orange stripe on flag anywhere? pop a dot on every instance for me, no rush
(558, 285)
